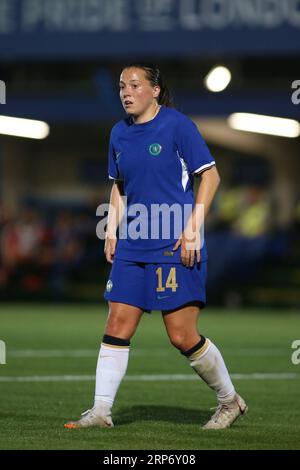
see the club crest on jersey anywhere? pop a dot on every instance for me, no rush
(109, 285)
(155, 149)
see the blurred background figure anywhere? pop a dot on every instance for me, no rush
(21, 243)
(229, 66)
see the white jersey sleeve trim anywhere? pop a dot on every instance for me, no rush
(203, 167)
(185, 173)
(114, 179)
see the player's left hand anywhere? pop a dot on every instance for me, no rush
(190, 246)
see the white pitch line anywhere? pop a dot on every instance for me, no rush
(36, 353)
(48, 378)
(57, 353)
(147, 378)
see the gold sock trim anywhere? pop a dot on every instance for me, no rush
(114, 346)
(200, 351)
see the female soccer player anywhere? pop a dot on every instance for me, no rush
(153, 156)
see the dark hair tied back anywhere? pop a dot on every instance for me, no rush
(155, 77)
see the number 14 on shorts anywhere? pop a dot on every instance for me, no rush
(170, 282)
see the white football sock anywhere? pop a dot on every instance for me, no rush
(210, 366)
(111, 368)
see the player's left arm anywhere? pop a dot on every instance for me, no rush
(190, 240)
(209, 183)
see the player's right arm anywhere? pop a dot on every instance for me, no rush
(115, 214)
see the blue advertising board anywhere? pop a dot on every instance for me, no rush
(77, 29)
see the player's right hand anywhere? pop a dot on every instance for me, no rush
(109, 249)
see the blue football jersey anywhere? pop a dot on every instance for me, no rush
(156, 161)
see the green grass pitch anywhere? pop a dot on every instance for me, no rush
(161, 414)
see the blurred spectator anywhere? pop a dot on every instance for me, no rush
(68, 251)
(254, 218)
(4, 219)
(243, 238)
(20, 244)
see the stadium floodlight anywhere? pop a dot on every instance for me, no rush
(20, 127)
(217, 79)
(261, 124)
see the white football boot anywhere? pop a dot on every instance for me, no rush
(226, 414)
(98, 416)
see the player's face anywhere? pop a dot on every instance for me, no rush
(136, 92)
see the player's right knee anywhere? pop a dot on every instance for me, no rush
(118, 326)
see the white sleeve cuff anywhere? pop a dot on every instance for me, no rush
(203, 167)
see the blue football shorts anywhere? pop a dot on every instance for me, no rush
(156, 286)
